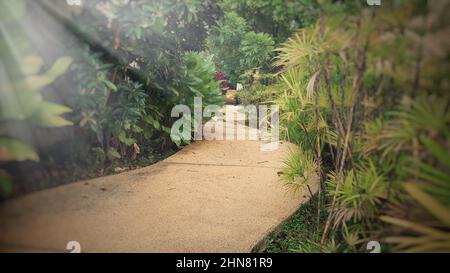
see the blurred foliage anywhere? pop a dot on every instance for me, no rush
(137, 67)
(363, 91)
(128, 70)
(22, 79)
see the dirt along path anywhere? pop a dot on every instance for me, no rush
(212, 196)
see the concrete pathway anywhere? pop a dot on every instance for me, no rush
(212, 196)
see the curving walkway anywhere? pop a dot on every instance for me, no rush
(212, 196)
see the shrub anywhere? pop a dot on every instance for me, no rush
(376, 126)
(237, 50)
(223, 42)
(258, 94)
(257, 51)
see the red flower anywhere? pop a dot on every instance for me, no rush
(220, 76)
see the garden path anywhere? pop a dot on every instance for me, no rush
(212, 196)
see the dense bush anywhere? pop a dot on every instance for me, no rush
(224, 41)
(129, 69)
(364, 100)
(238, 50)
(129, 90)
(258, 94)
(197, 80)
(276, 18)
(256, 49)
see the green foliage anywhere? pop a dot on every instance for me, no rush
(223, 42)
(258, 94)
(360, 194)
(22, 81)
(299, 234)
(14, 150)
(197, 80)
(296, 234)
(236, 49)
(300, 170)
(21, 99)
(406, 124)
(124, 100)
(256, 49)
(362, 91)
(130, 63)
(125, 113)
(277, 18)
(425, 227)
(5, 184)
(364, 99)
(90, 103)
(120, 114)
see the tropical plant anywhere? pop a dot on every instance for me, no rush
(371, 119)
(129, 70)
(300, 170)
(141, 73)
(223, 42)
(237, 50)
(257, 50)
(197, 80)
(20, 89)
(425, 228)
(360, 195)
(276, 18)
(259, 94)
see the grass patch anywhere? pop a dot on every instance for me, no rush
(299, 233)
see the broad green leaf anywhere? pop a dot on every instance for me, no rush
(37, 82)
(177, 142)
(54, 108)
(113, 154)
(124, 139)
(437, 150)
(419, 228)
(48, 115)
(166, 129)
(15, 150)
(433, 206)
(31, 64)
(19, 105)
(52, 121)
(110, 85)
(150, 120)
(148, 133)
(99, 153)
